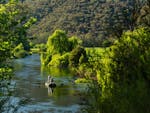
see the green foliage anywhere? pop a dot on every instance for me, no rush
(38, 48)
(12, 29)
(58, 60)
(133, 48)
(64, 60)
(19, 51)
(57, 43)
(58, 46)
(4, 51)
(12, 32)
(95, 55)
(82, 80)
(116, 66)
(21, 54)
(123, 75)
(74, 42)
(125, 99)
(54, 60)
(45, 58)
(5, 73)
(29, 22)
(18, 48)
(84, 70)
(42, 47)
(77, 55)
(91, 20)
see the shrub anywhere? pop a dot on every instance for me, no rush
(39, 48)
(45, 58)
(18, 48)
(77, 55)
(21, 54)
(54, 60)
(19, 51)
(82, 80)
(59, 61)
(64, 62)
(74, 42)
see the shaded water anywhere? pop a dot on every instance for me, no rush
(31, 96)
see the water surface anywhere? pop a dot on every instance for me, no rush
(31, 96)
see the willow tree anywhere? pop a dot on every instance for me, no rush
(59, 46)
(58, 43)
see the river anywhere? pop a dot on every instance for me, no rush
(30, 95)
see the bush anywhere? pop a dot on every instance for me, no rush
(74, 42)
(64, 60)
(54, 60)
(41, 47)
(45, 59)
(59, 61)
(19, 51)
(6, 73)
(82, 80)
(77, 55)
(21, 54)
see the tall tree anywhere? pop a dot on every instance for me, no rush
(13, 26)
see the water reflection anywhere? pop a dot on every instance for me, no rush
(31, 92)
(50, 91)
(58, 72)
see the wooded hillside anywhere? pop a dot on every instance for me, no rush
(91, 20)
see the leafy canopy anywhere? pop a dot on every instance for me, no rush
(13, 26)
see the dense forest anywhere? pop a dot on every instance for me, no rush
(106, 43)
(91, 20)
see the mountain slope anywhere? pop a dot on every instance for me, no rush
(91, 20)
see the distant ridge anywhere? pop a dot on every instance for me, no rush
(91, 20)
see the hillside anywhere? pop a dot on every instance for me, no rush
(91, 20)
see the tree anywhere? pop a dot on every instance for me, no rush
(59, 47)
(123, 16)
(123, 84)
(144, 17)
(12, 29)
(58, 43)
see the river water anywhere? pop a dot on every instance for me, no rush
(30, 95)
